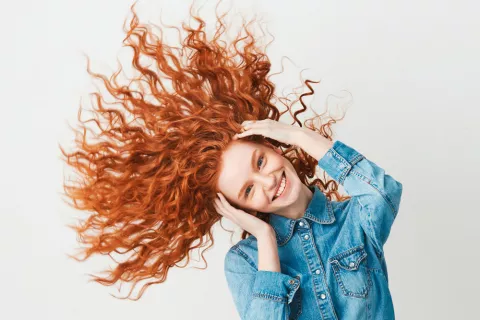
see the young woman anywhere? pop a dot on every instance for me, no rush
(152, 167)
(316, 258)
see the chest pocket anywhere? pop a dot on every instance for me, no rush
(351, 273)
(296, 304)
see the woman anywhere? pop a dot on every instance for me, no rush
(152, 168)
(316, 258)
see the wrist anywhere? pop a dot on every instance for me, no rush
(268, 259)
(266, 235)
(314, 143)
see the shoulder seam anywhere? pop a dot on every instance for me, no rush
(242, 253)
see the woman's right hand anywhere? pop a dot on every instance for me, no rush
(246, 221)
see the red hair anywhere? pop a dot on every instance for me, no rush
(148, 175)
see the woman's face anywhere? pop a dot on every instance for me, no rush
(251, 175)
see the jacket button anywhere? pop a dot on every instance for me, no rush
(291, 281)
(323, 296)
(351, 264)
(301, 223)
(317, 272)
(306, 237)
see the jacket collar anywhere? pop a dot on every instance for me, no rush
(319, 210)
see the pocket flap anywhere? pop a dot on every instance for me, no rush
(350, 259)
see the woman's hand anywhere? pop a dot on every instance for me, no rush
(248, 222)
(276, 130)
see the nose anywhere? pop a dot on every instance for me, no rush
(267, 182)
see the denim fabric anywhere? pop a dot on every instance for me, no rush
(332, 259)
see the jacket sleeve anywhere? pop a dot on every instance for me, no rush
(258, 294)
(377, 194)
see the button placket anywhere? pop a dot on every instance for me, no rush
(321, 286)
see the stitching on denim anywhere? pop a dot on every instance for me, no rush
(375, 187)
(346, 291)
(359, 157)
(330, 213)
(357, 262)
(371, 226)
(311, 271)
(324, 276)
(290, 231)
(298, 295)
(268, 296)
(348, 166)
(348, 252)
(283, 240)
(387, 199)
(277, 235)
(241, 253)
(383, 196)
(379, 255)
(237, 250)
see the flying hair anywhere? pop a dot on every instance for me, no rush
(148, 165)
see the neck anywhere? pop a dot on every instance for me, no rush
(297, 209)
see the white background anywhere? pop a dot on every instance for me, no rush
(412, 68)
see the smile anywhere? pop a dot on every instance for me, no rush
(282, 187)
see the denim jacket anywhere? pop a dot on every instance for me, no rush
(332, 259)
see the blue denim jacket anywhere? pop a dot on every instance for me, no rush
(332, 259)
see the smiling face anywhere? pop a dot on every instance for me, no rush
(252, 173)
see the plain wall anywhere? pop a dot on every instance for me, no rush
(412, 68)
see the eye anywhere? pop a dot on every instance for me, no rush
(247, 193)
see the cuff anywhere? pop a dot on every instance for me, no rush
(339, 160)
(275, 286)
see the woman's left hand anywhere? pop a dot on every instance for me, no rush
(276, 130)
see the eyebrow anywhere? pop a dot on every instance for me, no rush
(251, 164)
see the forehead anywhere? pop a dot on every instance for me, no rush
(236, 164)
(237, 153)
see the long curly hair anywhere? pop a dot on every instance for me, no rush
(148, 170)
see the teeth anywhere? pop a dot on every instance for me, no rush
(282, 187)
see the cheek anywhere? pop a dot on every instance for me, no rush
(260, 202)
(278, 162)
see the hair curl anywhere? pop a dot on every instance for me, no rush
(148, 178)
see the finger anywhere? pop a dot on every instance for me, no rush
(226, 206)
(220, 210)
(248, 132)
(247, 122)
(219, 201)
(217, 208)
(223, 201)
(252, 124)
